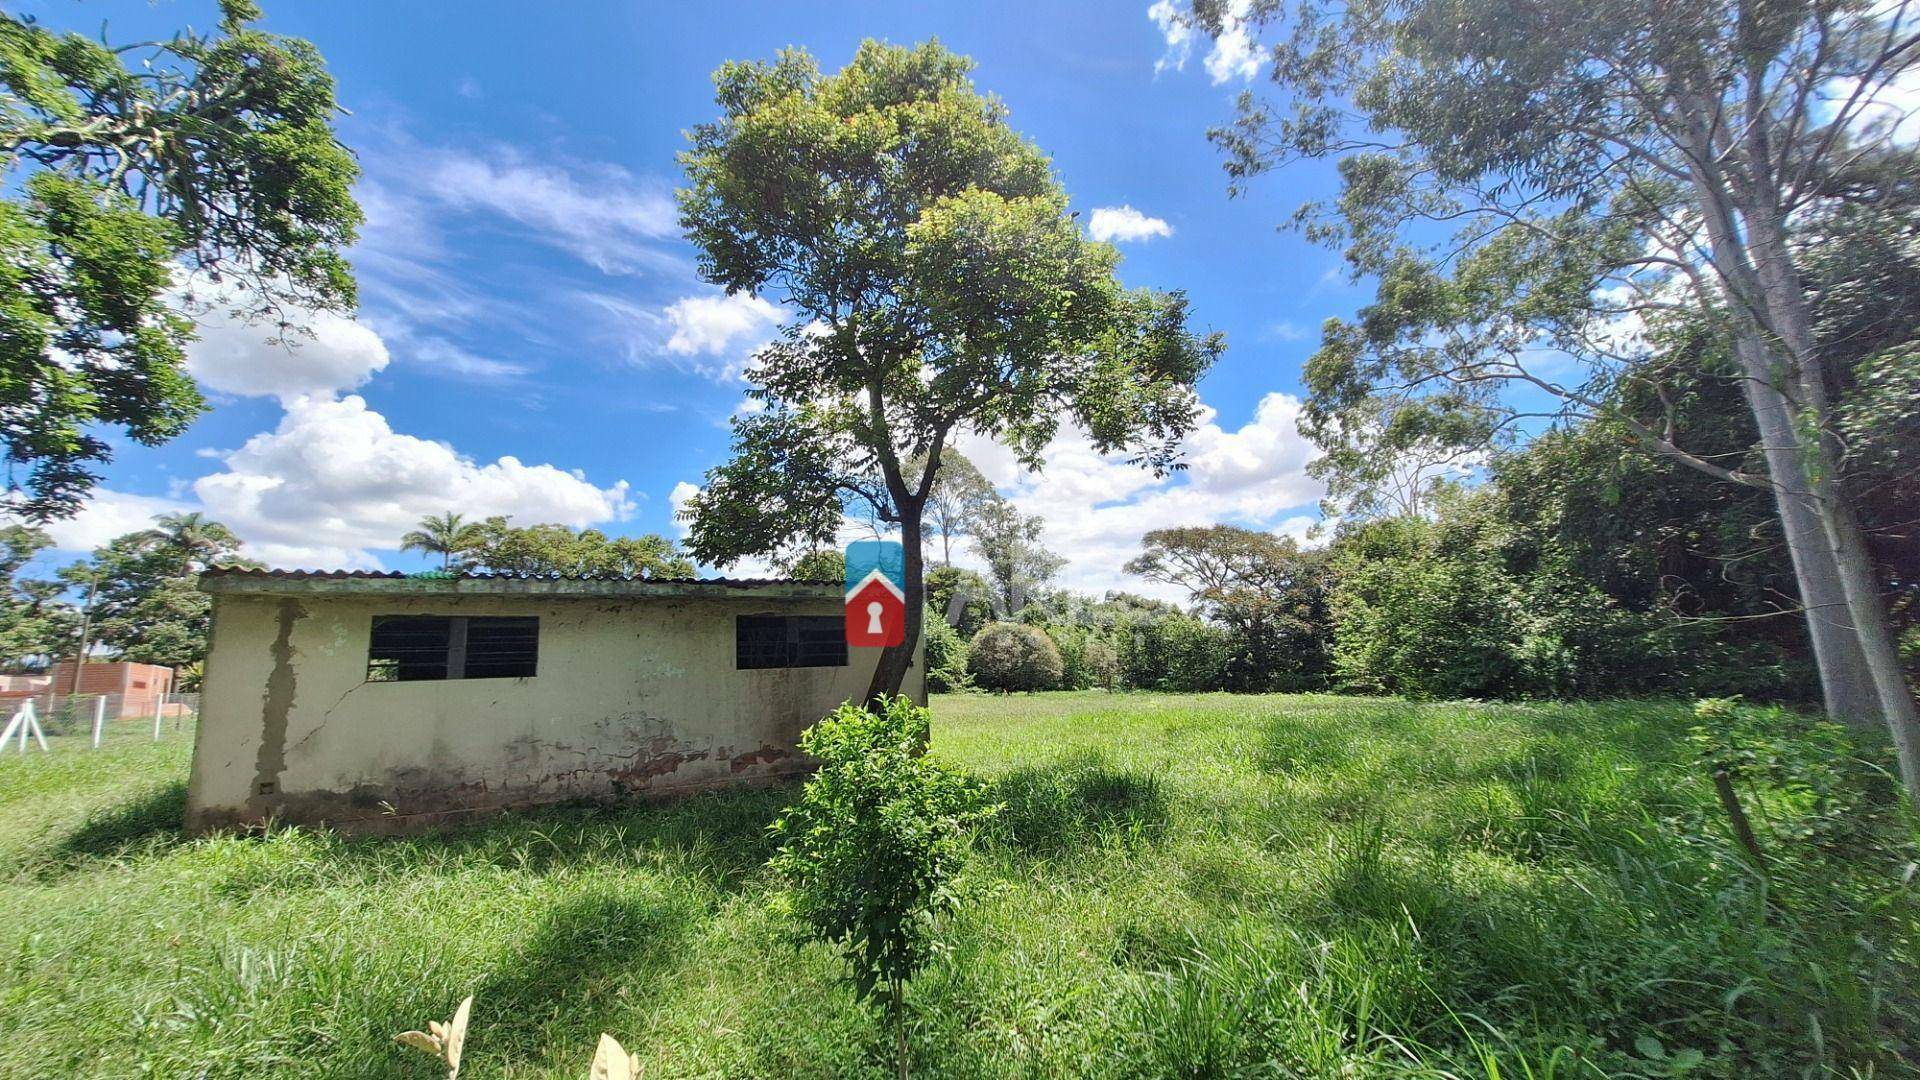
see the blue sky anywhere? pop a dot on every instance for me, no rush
(533, 336)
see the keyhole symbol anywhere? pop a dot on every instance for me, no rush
(874, 608)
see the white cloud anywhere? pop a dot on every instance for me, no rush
(468, 87)
(601, 213)
(1124, 223)
(1097, 508)
(1287, 330)
(234, 356)
(715, 336)
(1177, 32)
(109, 514)
(335, 481)
(710, 324)
(1234, 54)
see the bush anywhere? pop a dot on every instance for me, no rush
(946, 657)
(870, 853)
(1009, 656)
(1173, 652)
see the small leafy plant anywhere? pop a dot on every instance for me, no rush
(872, 851)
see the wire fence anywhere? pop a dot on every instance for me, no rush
(51, 722)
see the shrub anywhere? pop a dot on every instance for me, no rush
(870, 853)
(1009, 656)
(1173, 652)
(946, 657)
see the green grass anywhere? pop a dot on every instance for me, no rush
(1177, 886)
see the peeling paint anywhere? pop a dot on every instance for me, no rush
(634, 699)
(275, 707)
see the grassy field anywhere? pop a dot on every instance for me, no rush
(1177, 886)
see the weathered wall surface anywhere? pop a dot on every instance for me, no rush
(633, 697)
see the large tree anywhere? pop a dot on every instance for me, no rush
(136, 176)
(1527, 182)
(953, 504)
(34, 623)
(941, 286)
(1017, 562)
(1263, 587)
(148, 607)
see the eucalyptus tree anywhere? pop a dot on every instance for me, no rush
(1529, 183)
(208, 159)
(1017, 562)
(959, 491)
(940, 286)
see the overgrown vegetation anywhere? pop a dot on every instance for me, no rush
(1202, 886)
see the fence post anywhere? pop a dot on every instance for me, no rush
(99, 719)
(159, 703)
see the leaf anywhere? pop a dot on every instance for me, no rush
(1650, 1047)
(419, 1040)
(612, 1062)
(456, 1037)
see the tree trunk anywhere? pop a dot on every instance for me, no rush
(1773, 340)
(1791, 316)
(891, 672)
(1846, 683)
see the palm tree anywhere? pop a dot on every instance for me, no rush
(448, 535)
(190, 538)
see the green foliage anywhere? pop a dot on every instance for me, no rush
(1818, 796)
(34, 625)
(450, 536)
(1012, 656)
(819, 564)
(871, 853)
(214, 153)
(149, 609)
(939, 283)
(974, 607)
(1264, 589)
(1173, 652)
(947, 658)
(1017, 563)
(557, 551)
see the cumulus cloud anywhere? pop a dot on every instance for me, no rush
(1097, 508)
(334, 481)
(1234, 54)
(716, 336)
(1177, 32)
(712, 324)
(236, 356)
(109, 514)
(1124, 223)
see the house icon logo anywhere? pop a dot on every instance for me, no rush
(876, 593)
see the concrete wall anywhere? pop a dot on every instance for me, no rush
(633, 696)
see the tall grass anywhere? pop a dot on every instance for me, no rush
(1178, 886)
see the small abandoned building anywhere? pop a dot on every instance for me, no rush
(379, 700)
(131, 690)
